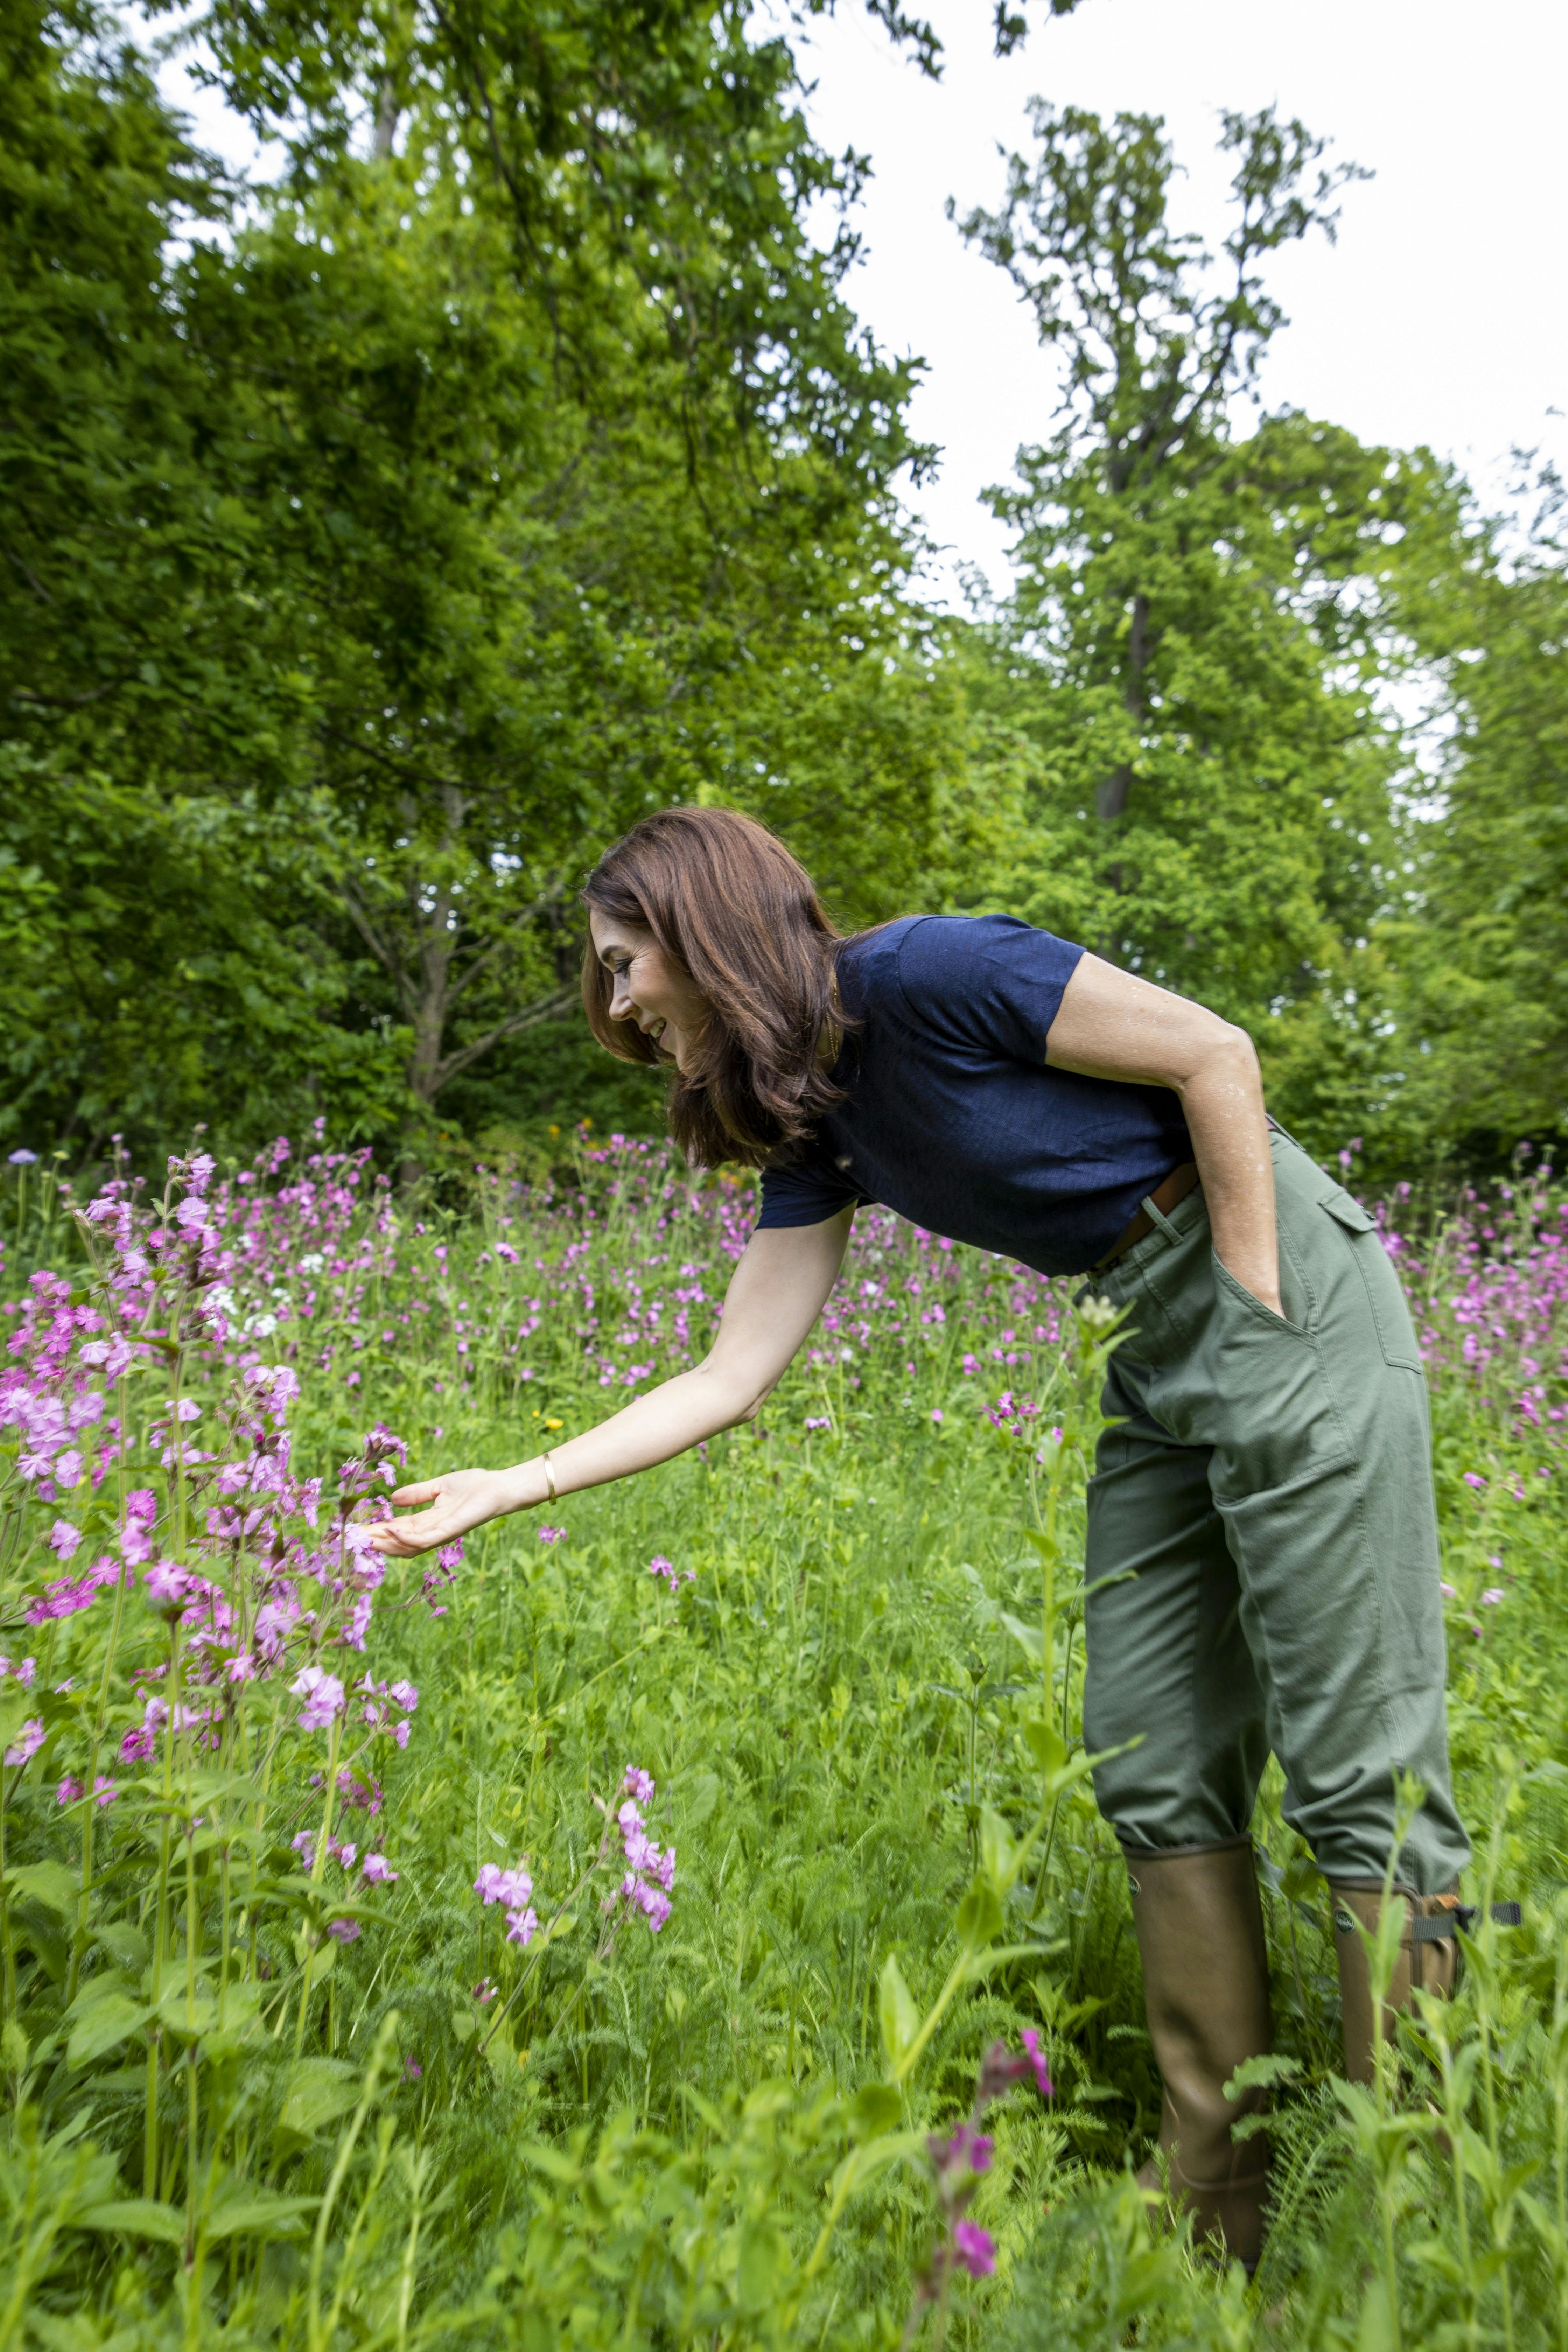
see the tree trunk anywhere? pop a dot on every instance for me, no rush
(1111, 796)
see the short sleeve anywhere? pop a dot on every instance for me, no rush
(804, 1195)
(987, 980)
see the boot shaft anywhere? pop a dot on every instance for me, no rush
(1206, 1987)
(1420, 1965)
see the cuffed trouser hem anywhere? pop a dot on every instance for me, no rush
(1171, 1853)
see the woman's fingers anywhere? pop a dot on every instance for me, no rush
(427, 1490)
(403, 1538)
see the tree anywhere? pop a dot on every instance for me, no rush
(444, 608)
(1183, 666)
(1480, 936)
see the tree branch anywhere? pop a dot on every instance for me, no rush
(528, 1016)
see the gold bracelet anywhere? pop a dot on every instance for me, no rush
(549, 1476)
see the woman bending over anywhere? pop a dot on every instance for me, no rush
(1268, 1483)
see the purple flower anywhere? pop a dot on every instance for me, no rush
(638, 1784)
(522, 1925)
(168, 1586)
(104, 1791)
(68, 1791)
(28, 1742)
(975, 2249)
(23, 1158)
(1473, 1478)
(966, 2151)
(937, 1413)
(1037, 2058)
(551, 1535)
(323, 1697)
(345, 1930)
(136, 1535)
(64, 1538)
(512, 1887)
(1492, 1596)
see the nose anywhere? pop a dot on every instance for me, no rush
(620, 998)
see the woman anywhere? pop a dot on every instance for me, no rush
(1268, 1482)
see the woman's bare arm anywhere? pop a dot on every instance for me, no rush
(777, 1291)
(1111, 1024)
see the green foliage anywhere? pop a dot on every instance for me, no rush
(1478, 948)
(862, 1716)
(410, 558)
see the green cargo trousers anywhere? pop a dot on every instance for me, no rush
(1262, 1562)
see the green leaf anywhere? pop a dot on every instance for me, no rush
(49, 1882)
(1046, 1744)
(979, 1916)
(899, 2018)
(702, 1801)
(322, 2089)
(863, 2164)
(999, 1857)
(241, 2211)
(1029, 1637)
(101, 2019)
(137, 2217)
(552, 2161)
(876, 2107)
(763, 2255)
(126, 1946)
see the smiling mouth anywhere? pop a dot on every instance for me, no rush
(656, 1030)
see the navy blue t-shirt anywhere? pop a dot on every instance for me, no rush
(950, 1114)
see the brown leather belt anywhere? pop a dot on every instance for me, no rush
(1165, 1195)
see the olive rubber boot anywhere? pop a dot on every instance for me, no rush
(1425, 1962)
(1206, 1986)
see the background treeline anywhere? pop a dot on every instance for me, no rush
(374, 548)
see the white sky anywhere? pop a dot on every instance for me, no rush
(1436, 318)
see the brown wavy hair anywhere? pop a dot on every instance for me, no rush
(726, 899)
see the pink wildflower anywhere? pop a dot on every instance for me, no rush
(1037, 2058)
(29, 1741)
(975, 2249)
(168, 1587)
(323, 1697)
(68, 1791)
(345, 1930)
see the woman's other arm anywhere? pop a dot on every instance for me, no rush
(777, 1291)
(1111, 1024)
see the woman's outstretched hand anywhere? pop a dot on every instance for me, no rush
(458, 1501)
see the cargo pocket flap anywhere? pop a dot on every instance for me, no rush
(1349, 1214)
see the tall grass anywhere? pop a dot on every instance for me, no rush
(255, 2094)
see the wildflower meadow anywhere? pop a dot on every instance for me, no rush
(679, 1917)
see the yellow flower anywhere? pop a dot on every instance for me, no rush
(552, 1424)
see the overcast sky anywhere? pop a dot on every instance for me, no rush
(1436, 318)
(1439, 318)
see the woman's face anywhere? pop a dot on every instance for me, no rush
(648, 986)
